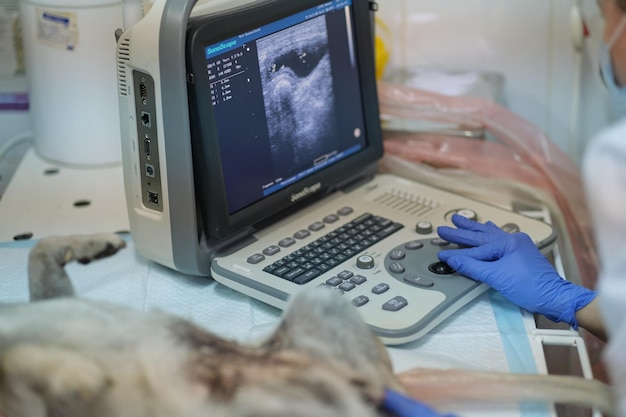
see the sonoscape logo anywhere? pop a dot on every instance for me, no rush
(306, 191)
(220, 47)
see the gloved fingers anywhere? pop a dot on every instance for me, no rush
(475, 269)
(490, 251)
(469, 232)
(464, 223)
(463, 236)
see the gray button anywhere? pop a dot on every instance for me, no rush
(358, 279)
(415, 279)
(286, 242)
(360, 300)
(345, 275)
(331, 218)
(380, 288)
(395, 304)
(439, 242)
(316, 226)
(414, 245)
(301, 234)
(396, 268)
(256, 258)
(344, 211)
(271, 250)
(334, 281)
(347, 286)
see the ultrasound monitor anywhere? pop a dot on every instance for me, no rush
(263, 167)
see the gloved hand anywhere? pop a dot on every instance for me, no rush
(513, 266)
(402, 406)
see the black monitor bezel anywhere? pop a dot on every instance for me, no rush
(210, 191)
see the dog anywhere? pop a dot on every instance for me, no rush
(63, 356)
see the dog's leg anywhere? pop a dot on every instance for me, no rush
(42, 381)
(47, 276)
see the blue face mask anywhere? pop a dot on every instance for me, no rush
(606, 65)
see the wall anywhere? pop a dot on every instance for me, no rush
(528, 41)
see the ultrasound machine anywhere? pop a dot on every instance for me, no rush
(251, 137)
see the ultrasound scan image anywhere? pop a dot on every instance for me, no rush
(298, 94)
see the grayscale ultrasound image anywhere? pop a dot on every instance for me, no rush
(298, 94)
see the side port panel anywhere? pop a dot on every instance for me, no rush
(145, 109)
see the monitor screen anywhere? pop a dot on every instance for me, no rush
(281, 97)
(284, 99)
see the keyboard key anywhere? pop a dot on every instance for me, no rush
(392, 228)
(324, 267)
(332, 262)
(294, 273)
(362, 218)
(341, 257)
(280, 272)
(308, 276)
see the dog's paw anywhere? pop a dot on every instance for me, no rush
(80, 248)
(87, 248)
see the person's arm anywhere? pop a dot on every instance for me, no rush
(513, 266)
(590, 318)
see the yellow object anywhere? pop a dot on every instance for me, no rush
(380, 49)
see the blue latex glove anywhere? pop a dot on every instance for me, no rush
(402, 406)
(513, 266)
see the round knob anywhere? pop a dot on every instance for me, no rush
(467, 213)
(365, 262)
(424, 228)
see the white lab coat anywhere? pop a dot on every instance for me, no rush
(604, 171)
